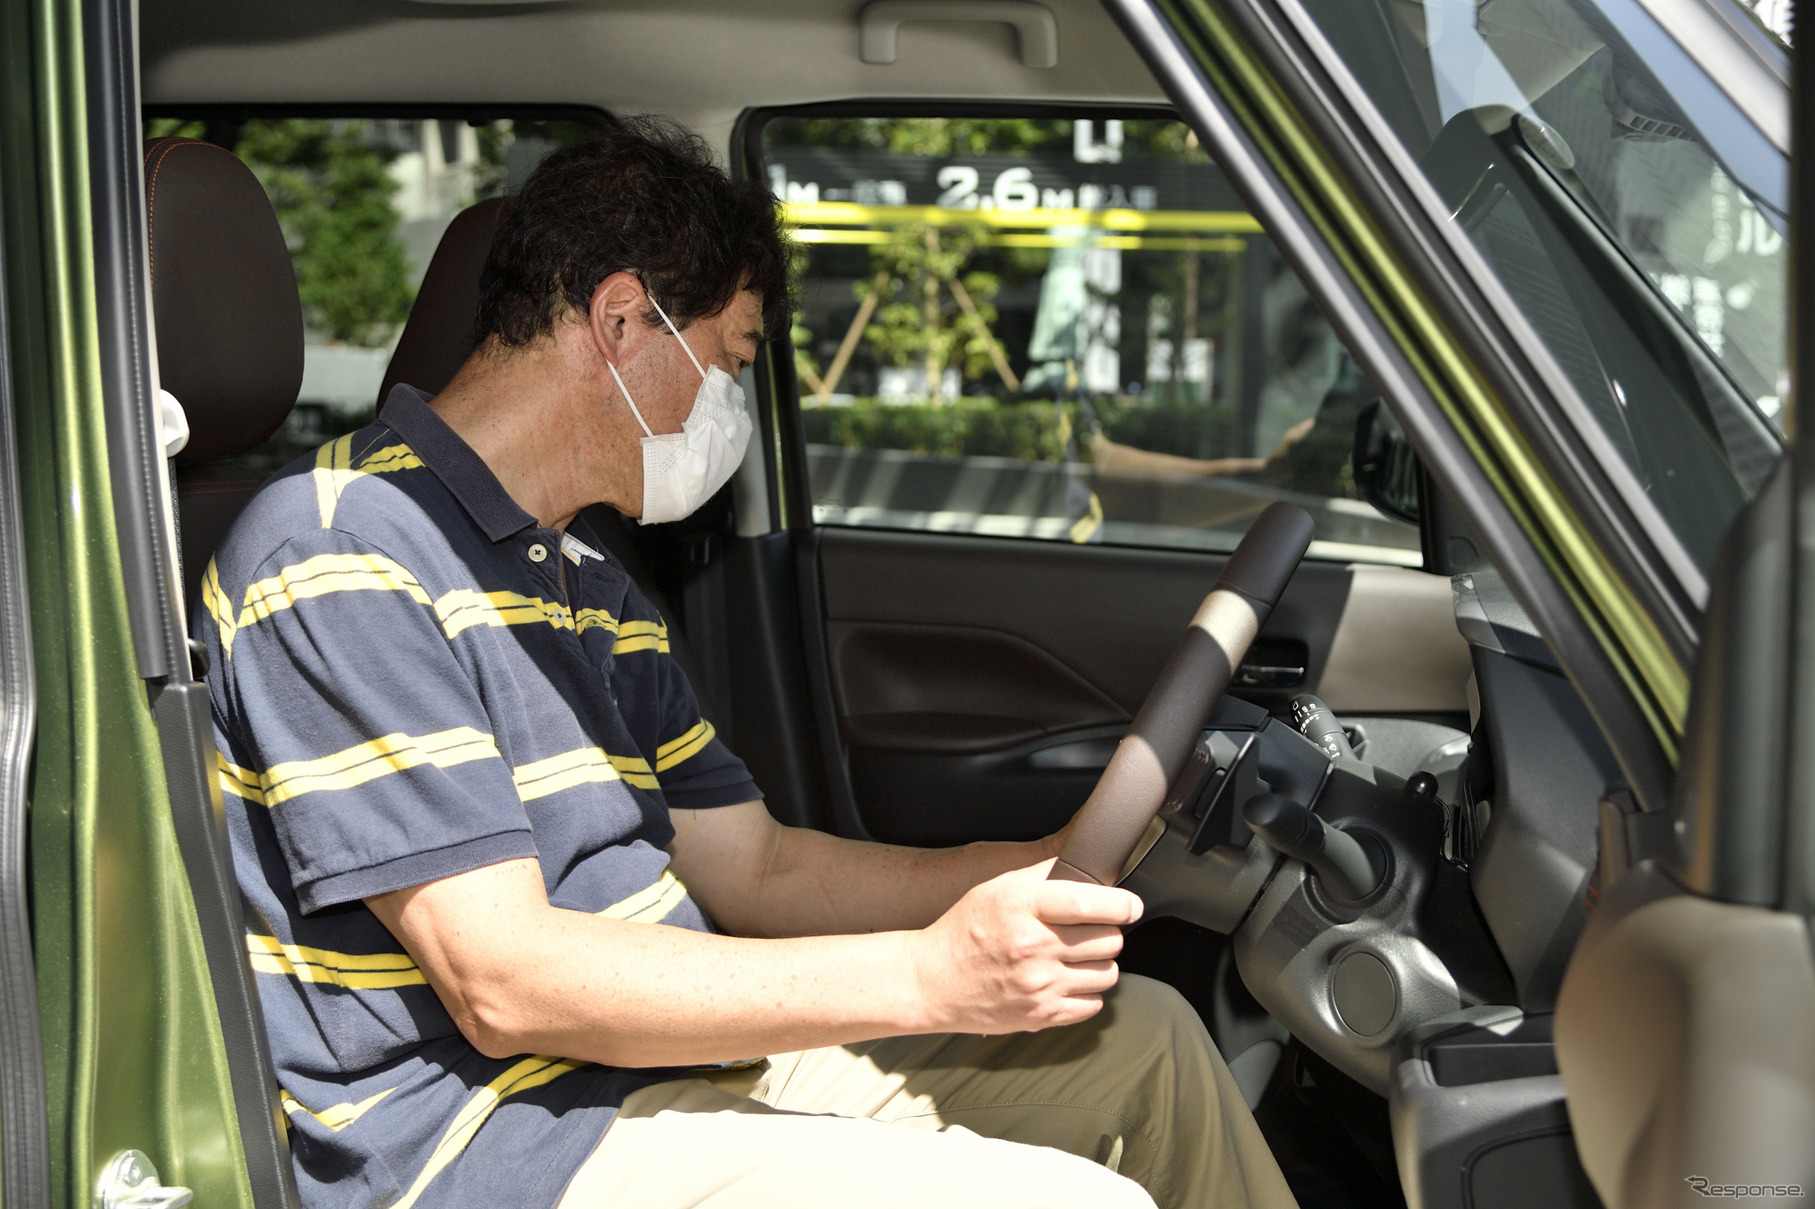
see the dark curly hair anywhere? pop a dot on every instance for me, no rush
(645, 197)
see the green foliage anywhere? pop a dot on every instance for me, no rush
(1036, 430)
(921, 320)
(1162, 140)
(179, 128)
(492, 174)
(328, 183)
(1033, 432)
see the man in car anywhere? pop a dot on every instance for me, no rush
(526, 933)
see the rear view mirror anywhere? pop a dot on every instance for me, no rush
(1386, 470)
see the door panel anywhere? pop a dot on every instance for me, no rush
(981, 683)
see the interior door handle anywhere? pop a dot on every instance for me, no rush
(1258, 675)
(880, 22)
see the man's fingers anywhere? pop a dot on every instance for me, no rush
(1081, 903)
(1079, 1008)
(1090, 977)
(1088, 942)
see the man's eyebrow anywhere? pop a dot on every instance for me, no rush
(756, 339)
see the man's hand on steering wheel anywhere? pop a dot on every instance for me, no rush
(1021, 952)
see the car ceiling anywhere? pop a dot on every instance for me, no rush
(698, 61)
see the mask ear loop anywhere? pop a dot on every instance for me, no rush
(629, 400)
(675, 330)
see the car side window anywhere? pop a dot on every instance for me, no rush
(363, 203)
(1063, 329)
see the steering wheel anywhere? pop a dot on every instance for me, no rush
(1152, 754)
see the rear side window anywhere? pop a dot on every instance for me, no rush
(363, 202)
(1058, 329)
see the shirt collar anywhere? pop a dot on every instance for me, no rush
(407, 413)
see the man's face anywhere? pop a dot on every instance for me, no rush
(657, 374)
(668, 378)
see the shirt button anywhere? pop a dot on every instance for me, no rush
(537, 552)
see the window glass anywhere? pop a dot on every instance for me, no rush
(363, 204)
(1629, 209)
(1058, 329)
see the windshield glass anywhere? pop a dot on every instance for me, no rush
(1629, 209)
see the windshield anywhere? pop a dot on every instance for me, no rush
(1629, 209)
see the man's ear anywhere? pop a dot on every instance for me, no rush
(615, 302)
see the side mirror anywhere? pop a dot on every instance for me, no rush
(1385, 468)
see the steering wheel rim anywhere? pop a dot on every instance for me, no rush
(1151, 755)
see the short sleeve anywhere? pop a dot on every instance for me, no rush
(694, 768)
(346, 715)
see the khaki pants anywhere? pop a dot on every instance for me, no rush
(1027, 1121)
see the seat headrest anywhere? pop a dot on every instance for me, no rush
(229, 322)
(439, 335)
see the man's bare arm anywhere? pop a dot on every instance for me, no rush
(756, 877)
(520, 976)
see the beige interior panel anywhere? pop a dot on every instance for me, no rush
(699, 60)
(1686, 1040)
(1396, 648)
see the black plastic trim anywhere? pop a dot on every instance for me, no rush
(847, 820)
(768, 393)
(1726, 820)
(1441, 448)
(769, 699)
(25, 1181)
(122, 309)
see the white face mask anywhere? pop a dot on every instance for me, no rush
(682, 470)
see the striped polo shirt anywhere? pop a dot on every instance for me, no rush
(410, 679)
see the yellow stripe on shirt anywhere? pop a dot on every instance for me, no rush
(333, 471)
(325, 574)
(652, 903)
(586, 619)
(635, 770)
(582, 766)
(240, 782)
(683, 746)
(519, 1077)
(640, 636)
(339, 1116)
(355, 971)
(390, 459)
(464, 608)
(376, 758)
(219, 607)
